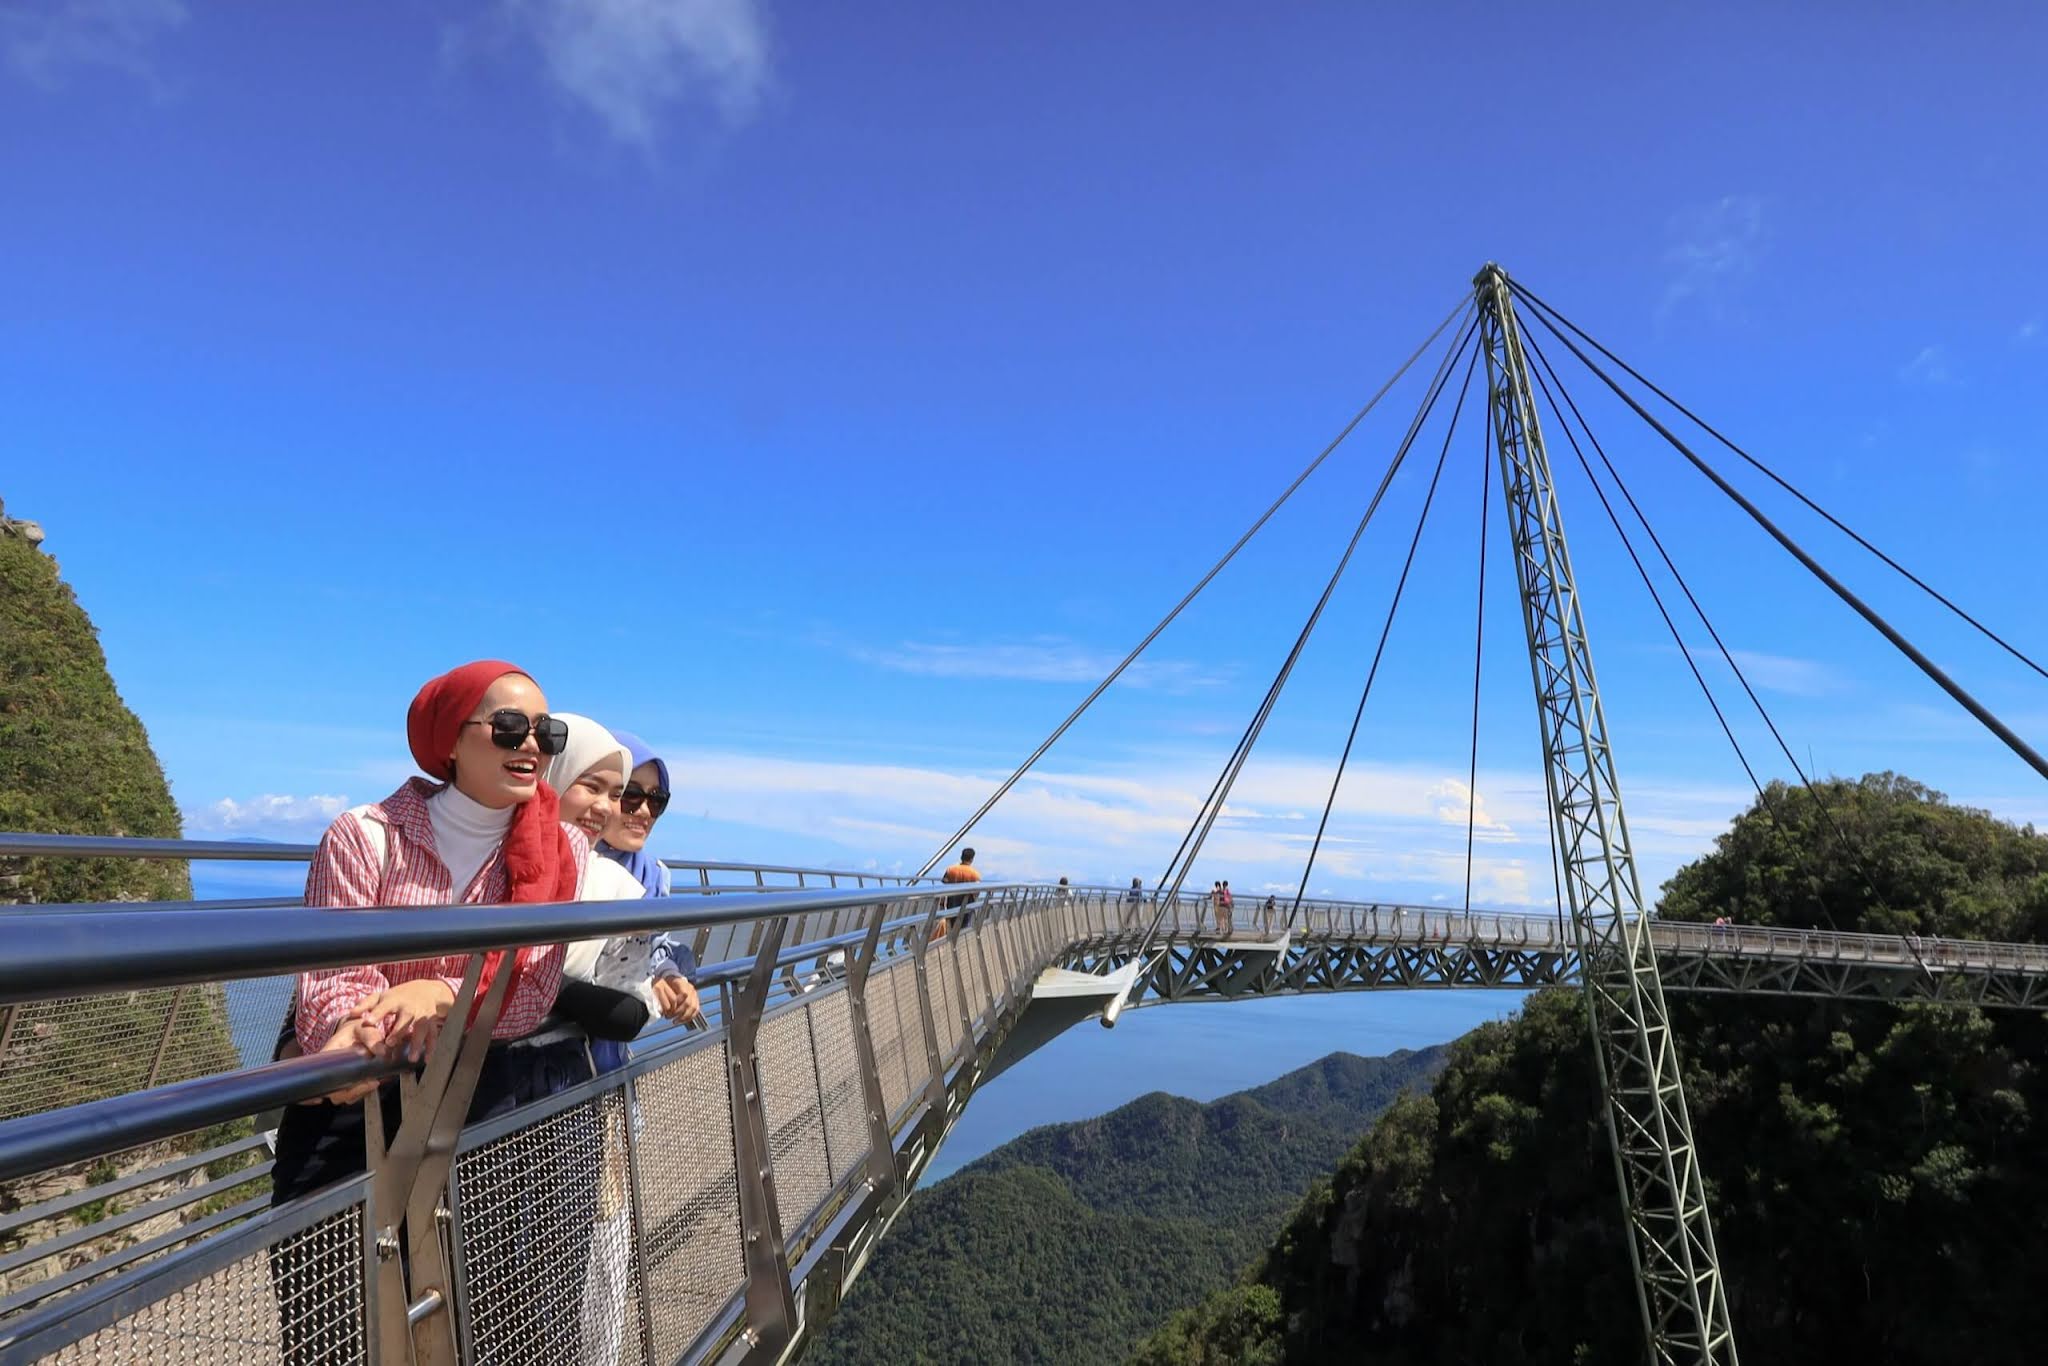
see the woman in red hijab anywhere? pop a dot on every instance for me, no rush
(482, 828)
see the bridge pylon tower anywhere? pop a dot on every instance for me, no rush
(1678, 1274)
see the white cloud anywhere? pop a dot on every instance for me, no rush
(629, 62)
(1929, 366)
(2029, 332)
(270, 815)
(1712, 247)
(1397, 832)
(1457, 803)
(1776, 673)
(46, 42)
(1042, 659)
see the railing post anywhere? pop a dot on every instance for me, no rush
(636, 1204)
(771, 1308)
(881, 1161)
(409, 1174)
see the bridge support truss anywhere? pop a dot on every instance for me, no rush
(1683, 1300)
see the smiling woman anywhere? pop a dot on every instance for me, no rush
(485, 830)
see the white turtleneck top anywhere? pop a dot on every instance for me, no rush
(466, 833)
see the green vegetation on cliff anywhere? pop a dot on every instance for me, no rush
(73, 759)
(1069, 1243)
(1876, 1172)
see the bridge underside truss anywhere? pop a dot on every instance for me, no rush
(1183, 970)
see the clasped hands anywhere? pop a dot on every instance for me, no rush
(678, 1000)
(399, 1023)
(402, 1023)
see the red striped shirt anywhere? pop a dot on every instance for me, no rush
(348, 871)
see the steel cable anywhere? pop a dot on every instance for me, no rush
(1400, 586)
(1780, 481)
(1927, 666)
(1678, 639)
(1462, 308)
(1184, 858)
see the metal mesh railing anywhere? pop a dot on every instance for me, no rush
(299, 1300)
(527, 1207)
(945, 997)
(845, 1105)
(795, 1116)
(85, 1048)
(898, 1033)
(688, 1197)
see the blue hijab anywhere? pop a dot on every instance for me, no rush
(642, 865)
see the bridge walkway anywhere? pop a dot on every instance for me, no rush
(709, 1202)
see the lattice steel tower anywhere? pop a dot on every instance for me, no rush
(1678, 1274)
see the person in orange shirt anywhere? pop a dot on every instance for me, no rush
(963, 871)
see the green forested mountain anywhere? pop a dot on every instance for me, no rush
(74, 760)
(1877, 1173)
(1068, 1244)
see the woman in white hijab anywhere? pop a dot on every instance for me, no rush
(589, 775)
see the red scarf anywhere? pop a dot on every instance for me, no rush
(540, 865)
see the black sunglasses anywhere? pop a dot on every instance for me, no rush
(657, 800)
(510, 728)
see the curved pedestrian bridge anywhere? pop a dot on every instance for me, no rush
(709, 1202)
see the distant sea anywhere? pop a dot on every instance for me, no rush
(1200, 1051)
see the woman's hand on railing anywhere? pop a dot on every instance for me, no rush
(353, 1035)
(410, 1016)
(678, 1000)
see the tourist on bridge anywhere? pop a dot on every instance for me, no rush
(482, 829)
(963, 871)
(614, 978)
(641, 804)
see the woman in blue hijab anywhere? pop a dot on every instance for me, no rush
(646, 797)
(625, 843)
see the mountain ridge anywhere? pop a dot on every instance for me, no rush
(1073, 1240)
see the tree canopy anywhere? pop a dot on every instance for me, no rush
(1876, 1172)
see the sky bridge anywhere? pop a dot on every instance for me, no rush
(843, 1042)
(712, 1200)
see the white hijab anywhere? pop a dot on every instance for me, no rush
(624, 964)
(589, 745)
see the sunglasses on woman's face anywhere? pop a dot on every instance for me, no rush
(657, 800)
(510, 728)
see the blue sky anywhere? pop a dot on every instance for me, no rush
(830, 393)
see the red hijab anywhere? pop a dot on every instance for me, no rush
(540, 865)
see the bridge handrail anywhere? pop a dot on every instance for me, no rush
(16, 844)
(97, 1128)
(56, 953)
(987, 963)
(1776, 940)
